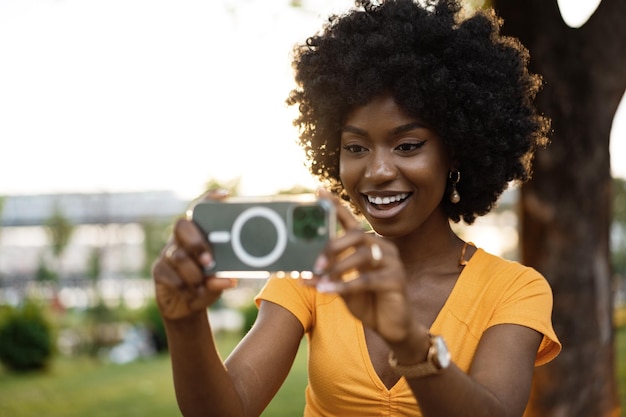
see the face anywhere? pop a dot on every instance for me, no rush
(394, 168)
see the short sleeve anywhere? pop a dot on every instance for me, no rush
(292, 295)
(527, 301)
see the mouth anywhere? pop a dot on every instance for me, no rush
(386, 202)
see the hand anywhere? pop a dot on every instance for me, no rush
(367, 272)
(181, 287)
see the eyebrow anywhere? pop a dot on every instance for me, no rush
(408, 127)
(397, 130)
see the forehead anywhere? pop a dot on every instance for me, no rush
(379, 109)
(381, 114)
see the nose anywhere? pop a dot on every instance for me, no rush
(380, 167)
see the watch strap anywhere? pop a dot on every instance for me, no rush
(419, 370)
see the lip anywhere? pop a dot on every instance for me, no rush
(385, 213)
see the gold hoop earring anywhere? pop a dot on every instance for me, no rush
(455, 177)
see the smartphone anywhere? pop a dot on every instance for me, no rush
(258, 237)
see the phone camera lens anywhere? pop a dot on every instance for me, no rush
(318, 213)
(308, 222)
(299, 213)
(309, 231)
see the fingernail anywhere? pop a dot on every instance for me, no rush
(320, 265)
(326, 286)
(206, 259)
(207, 268)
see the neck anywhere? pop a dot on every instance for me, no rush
(430, 251)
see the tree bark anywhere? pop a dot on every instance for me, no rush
(565, 208)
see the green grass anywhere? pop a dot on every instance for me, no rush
(84, 387)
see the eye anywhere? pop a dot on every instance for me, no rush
(410, 146)
(353, 148)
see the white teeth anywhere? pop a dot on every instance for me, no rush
(387, 200)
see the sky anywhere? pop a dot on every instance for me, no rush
(130, 95)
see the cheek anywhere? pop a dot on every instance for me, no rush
(349, 175)
(426, 175)
(346, 172)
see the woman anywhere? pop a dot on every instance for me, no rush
(415, 116)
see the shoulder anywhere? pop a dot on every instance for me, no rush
(292, 294)
(494, 270)
(285, 288)
(521, 295)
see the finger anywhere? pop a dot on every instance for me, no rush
(170, 303)
(353, 250)
(347, 220)
(358, 282)
(344, 215)
(206, 294)
(359, 260)
(339, 256)
(165, 274)
(187, 269)
(169, 290)
(190, 238)
(214, 284)
(363, 282)
(176, 299)
(343, 245)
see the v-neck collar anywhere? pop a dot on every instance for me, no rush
(360, 330)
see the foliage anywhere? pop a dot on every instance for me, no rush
(26, 339)
(101, 313)
(297, 189)
(60, 230)
(103, 327)
(250, 313)
(155, 236)
(231, 185)
(44, 273)
(154, 322)
(94, 264)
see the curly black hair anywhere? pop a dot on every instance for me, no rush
(459, 75)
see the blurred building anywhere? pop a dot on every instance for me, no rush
(107, 223)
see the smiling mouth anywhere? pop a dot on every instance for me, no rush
(387, 201)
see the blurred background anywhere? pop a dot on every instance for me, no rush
(114, 116)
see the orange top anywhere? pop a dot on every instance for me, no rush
(342, 379)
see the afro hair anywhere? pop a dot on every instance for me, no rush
(458, 74)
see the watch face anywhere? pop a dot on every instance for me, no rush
(443, 356)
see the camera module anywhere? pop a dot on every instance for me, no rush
(308, 222)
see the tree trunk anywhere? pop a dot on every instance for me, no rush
(566, 210)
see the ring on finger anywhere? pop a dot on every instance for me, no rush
(376, 254)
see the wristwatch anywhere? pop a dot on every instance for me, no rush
(438, 359)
